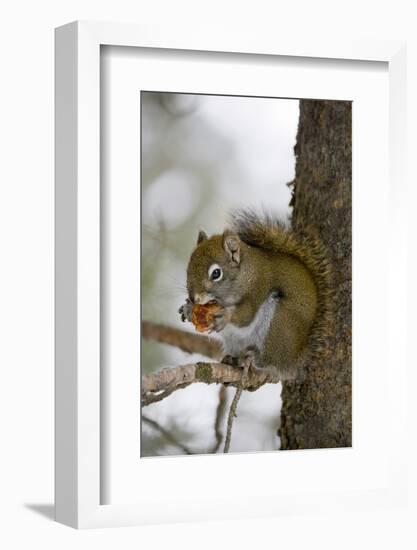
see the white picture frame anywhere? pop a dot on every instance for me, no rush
(77, 374)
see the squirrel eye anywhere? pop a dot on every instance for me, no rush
(215, 272)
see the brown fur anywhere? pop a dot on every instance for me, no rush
(272, 235)
(259, 257)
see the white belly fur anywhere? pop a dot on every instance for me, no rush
(236, 339)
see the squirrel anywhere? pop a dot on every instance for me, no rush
(273, 286)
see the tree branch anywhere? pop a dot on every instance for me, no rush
(161, 384)
(186, 341)
(168, 435)
(233, 406)
(220, 410)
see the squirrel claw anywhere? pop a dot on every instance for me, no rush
(185, 311)
(250, 356)
(230, 360)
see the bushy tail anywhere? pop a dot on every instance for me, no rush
(266, 232)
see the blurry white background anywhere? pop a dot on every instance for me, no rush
(202, 156)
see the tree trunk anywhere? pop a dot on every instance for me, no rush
(317, 411)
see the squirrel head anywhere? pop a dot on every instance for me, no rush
(216, 270)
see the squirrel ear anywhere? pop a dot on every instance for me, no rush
(231, 244)
(202, 236)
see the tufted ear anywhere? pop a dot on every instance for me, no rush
(231, 245)
(202, 236)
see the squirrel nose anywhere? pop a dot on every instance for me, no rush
(191, 296)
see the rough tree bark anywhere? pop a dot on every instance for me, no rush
(317, 412)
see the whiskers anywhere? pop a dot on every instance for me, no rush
(172, 287)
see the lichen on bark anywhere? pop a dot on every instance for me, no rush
(203, 373)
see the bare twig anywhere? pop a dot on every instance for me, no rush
(168, 435)
(186, 341)
(161, 384)
(233, 407)
(221, 407)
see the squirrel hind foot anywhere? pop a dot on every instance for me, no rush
(230, 360)
(250, 356)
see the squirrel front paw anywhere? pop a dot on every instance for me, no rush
(185, 311)
(220, 320)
